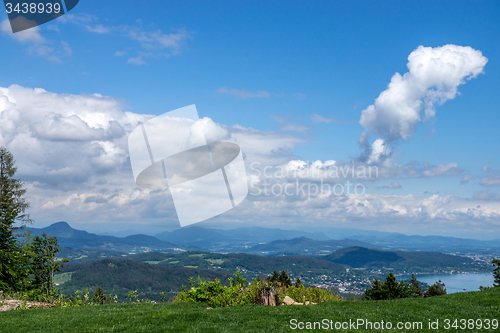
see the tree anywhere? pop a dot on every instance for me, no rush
(392, 289)
(375, 292)
(13, 217)
(43, 262)
(284, 279)
(496, 272)
(416, 289)
(437, 289)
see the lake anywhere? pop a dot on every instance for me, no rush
(455, 283)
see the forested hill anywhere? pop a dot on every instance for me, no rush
(360, 257)
(122, 276)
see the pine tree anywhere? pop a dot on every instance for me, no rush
(13, 217)
(437, 289)
(496, 272)
(391, 287)
(375, 292)
(284, 279)
(416, 288)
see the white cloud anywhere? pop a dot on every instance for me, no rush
(465, 179)
(37, 43)
(395, 185)
(99, 28)
(491, 180)
(316, 118)
(486, 195)
(136, 61)
(294, 128)
(71, 150)
(379, 152)
(433, 78)
(158, 40)
(300, 96)
(120, 53)
(442, 169)
(149, 40)
(31, 35)
(243, 93)
(486, 168)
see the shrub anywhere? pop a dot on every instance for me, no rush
(237, 293)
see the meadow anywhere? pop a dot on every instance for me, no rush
(197, 317)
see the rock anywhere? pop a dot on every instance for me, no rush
(288, 300)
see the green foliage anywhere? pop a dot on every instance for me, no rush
(416, 287)
(13, 208)
(392, 289)
(237, 293)
(99, 297)
(496, 272)
(27, 264)
(437, 289)
(119, 277)
(42, 251)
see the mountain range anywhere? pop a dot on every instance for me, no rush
(257, 240)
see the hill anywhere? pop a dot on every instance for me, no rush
(234, 240)
(401, 261)
(196, 317)
(304, 246)
(307, 268)
(77, 239)
(122, 276)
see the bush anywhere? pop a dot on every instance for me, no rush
(237, 293)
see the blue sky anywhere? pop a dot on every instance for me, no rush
(269, 67)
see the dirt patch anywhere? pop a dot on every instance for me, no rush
(14, 303)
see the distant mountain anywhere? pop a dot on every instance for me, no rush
(360, 257)
(75, 239)
(304, 246)
(234, 239)
(432, 243)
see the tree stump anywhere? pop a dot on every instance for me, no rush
(267, 296)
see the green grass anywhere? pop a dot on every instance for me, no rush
(194, 317)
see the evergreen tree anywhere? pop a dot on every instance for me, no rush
(13, 217)
(284, 279)
(298, 284)
(391, 287)
(415, 287)
(437, 289)
(274, 278)
(43, 262)
(375, 292)
(496, 272)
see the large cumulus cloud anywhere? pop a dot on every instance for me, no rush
(433, 78)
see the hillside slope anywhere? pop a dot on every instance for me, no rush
(196, 317)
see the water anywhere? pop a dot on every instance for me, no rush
(455, 283)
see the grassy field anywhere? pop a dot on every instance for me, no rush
(195, 317)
